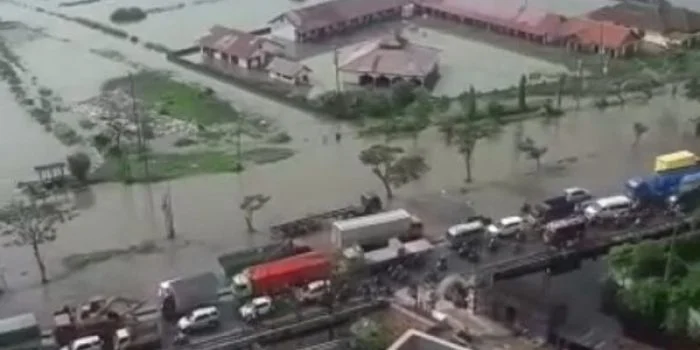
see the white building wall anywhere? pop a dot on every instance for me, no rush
(656, 38)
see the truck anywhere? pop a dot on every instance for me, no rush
(687, 199)
(180, 295)
(376, 229)
(395, 252)
(674, 161)
(559, 207)
(658, 188)
(280, 275)
(20, 332)
(235, 262)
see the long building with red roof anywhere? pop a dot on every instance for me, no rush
(511, 18)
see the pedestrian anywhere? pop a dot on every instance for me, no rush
(338, 136)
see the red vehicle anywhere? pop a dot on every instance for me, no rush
(279, 275)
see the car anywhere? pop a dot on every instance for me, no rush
(92, 342)
(257, 307)
(314, 291)
(199, 319)
(507, 227)
(608, 207)
(577, 194)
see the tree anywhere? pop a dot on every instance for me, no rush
(639, 130)
(32, 223)
(495, 109)
(370, 335)
(392, 167)
(250, 205)
(522, 93)
(471, 104)
(79, 166)
(465, 131)
(531, 150)
(467, 136)
(403, 94)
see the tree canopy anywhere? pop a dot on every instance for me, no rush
(392, 167)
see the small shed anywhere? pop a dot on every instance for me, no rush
(288, 71)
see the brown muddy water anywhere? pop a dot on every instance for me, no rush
(319, 177)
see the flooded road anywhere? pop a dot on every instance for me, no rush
(319, 177)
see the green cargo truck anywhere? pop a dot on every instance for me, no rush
(235, 262)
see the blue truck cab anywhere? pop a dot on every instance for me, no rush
(658, 188)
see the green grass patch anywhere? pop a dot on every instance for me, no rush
(162, 166)
(177, 99)
(265, 155)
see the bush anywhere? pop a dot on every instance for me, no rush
(280, 137)
(184, 142)
(79, 166)
(66, 134)
(87, 124)
(496, 109)
(127, 15)
(42, 116)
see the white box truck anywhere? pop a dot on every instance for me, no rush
(374, 229)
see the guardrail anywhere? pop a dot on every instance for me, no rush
(243, 339)
(543, 260)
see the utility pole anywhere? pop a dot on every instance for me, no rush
(338, 92)
(167, 207)
(136, 117)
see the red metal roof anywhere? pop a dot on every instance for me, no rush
(590, 32)
(506, 13)
(287, 265)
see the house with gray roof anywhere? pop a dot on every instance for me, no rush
(288, 71)
(235, 47)
(389, 60)
(658, 21)
(329, 18)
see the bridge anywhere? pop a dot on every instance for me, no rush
(556, 262)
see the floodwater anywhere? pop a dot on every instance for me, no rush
(321, 176)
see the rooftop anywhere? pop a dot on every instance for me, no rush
(331, 12)
(593, 32)
(392, 55)
(233, 42)
(286, 67)
(508, 13)
(416, 340)
(653, 15)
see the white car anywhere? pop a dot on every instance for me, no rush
(92, 342)
(255, 308)
(202, 318)
(314, 291)
(506, 227)
(577, 194)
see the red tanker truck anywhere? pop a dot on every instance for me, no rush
(279, 275)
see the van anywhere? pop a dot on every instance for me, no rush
(465, 233)
(608, 207)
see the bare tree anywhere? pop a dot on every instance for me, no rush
(250, 205)
(532, 151)
(31, 223)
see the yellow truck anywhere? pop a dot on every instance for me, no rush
(675, 160)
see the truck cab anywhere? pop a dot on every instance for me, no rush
(241, 285)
